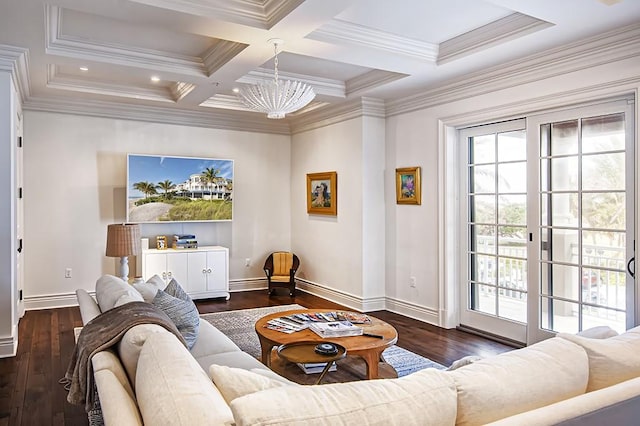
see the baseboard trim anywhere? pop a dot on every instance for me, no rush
(247, 284)
(491, 336)
(411, 310)
(349, 300)
(51, 301)
(9, 344)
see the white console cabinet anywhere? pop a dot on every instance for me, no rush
(202, 272)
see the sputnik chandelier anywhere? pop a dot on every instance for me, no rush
(274, 97)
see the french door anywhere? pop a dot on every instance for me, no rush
(548, 215)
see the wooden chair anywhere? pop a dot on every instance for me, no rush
(281, 267)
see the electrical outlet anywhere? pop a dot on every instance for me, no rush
(247, 262)
(67, 273)
(412, 282)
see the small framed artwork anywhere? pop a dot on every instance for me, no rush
(161, 242)
(322, 193)
(408, 188)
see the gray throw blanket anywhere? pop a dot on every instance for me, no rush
(101, 333)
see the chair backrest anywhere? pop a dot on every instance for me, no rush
(282, 263)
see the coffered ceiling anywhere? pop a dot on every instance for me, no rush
(197, 51)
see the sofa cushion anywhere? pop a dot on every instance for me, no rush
(237, 359)
(181, 309)
(424, 397)
(521, 380)
(236, 382)
(211, 341)
(113, 291)
(611, 360)
(172, 389)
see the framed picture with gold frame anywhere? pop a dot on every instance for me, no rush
(322, 193)
(408, 188)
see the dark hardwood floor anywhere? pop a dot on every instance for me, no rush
(31, 395)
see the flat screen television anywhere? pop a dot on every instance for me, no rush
(161, 189)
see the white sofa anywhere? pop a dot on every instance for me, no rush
(151, 378)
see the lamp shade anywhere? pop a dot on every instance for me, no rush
(123, 240)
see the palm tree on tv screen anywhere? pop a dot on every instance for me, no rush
(166, 186)
(147, 188)
(210, 176)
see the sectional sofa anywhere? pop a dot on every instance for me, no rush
(151, 378)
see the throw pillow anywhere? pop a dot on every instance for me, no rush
(149, 289)
(464, 361)
(111, 290)
(183, 313)
(599, 332)
(611, 360)
(425, 397)
(236, 382)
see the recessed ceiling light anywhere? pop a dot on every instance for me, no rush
(84, 68)
(235, 90)
(155, 78)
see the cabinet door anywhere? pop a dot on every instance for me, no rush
(177, 268)
(155, 264)
(197, 273)
(217, 271)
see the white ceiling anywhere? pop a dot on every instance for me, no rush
(202, 49)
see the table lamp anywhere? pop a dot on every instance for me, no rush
(123, 240)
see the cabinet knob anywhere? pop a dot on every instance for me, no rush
(164, 275)
(169, 274)
(204, 271)
(209, 271)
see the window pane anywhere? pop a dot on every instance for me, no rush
(483, 298)
(512, 210)
(604, 249)
(512, 273)
(485, 269)
(564, 174)
(603, 172)
(483, 209)
(564, 209)
(563, 314)
(564, 245)
(512, 304)
(512, 146)
(483, 239)
(560, 281)
(604, 210)
(602, 287)
(593, 317)
(512, 177)
(564, 138)
(482, 149)
(483, 179)
(512, 241)
(604, 133)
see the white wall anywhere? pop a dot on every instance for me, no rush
(75, 185)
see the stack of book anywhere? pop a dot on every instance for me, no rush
(316, 367)
(186, 241)
(335, 329)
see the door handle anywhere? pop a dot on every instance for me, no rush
(632, 273)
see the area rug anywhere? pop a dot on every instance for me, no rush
(239, 326)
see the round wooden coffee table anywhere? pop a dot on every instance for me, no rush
(368, 348)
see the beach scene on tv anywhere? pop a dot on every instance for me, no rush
(178, 189)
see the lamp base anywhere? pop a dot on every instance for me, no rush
(124, 268)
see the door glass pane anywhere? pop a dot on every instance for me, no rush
(512, 146)
(483, 179)
(563, 207)
(484, 240)
(604, 210)
(559, 315)
(512, 241)
(512, 177)
(512, 210)
(560, 281)
(482, 149)
(512, 304)
(485, 269)
(564, 138)
(605, 133)
(564, 245)
(512, 273)
(483, 208)
(484, 298)
(593, 317)
(564, 174)
(604, 249)
(603, 172)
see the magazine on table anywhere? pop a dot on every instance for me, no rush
(316, 367)
(284, 325)
(335, 329)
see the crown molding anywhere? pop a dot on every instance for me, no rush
(336, 113)
(180, 89)
(370, 80)
(71, 46)
(497, 32)
(226, 120)
(220, 53)
(262, 14)
(220, 100)
(55, 80)
(337, 31)
(322, 86)
(604, 48)
(15, 60)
